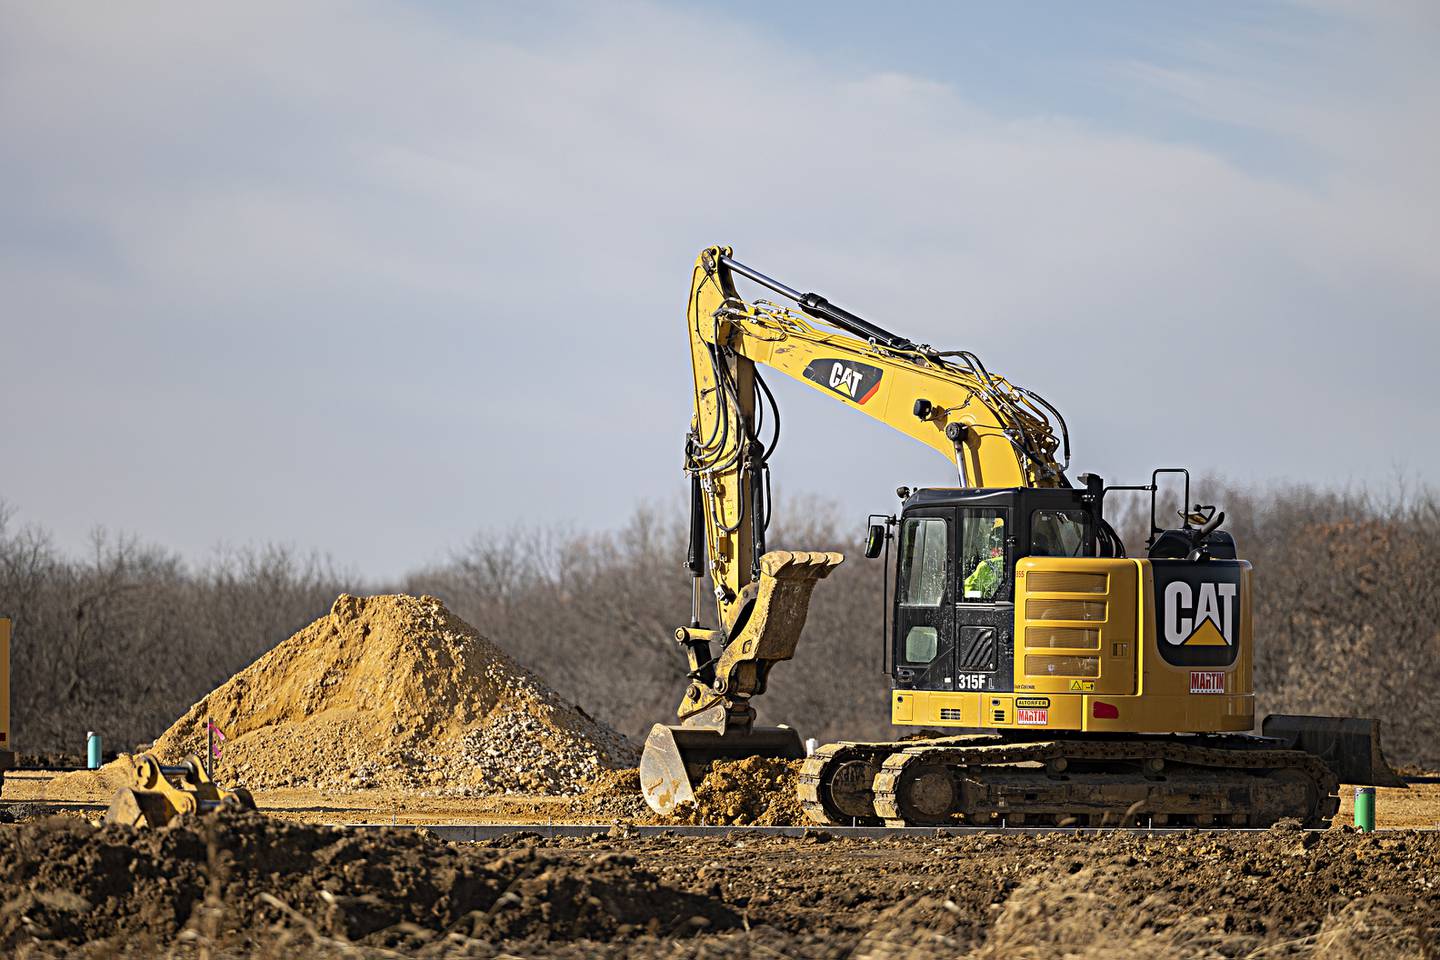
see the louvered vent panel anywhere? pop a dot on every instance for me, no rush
(1043, 609)
(1054, 581)
(1068, 638)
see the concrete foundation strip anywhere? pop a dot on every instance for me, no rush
(479, 832)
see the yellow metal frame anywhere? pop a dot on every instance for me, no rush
(1130, 675)
(1065, 631)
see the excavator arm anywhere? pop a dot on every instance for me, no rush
(995, 433)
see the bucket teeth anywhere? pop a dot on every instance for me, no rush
(799, 564)
(773, 629)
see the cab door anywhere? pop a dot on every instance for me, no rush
(924, 634)
(984, 647)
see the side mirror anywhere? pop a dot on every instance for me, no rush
(874, 541)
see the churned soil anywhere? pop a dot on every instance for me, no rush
(612, 796)
(243, 885)
(388, 692)
(1277, 893)
(754, 790)
(237, 878)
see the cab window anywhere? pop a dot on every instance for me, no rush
(982, 555)
(921, 644)
(923, 564)
(1059, 533)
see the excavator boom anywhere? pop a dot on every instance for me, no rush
(995, 433)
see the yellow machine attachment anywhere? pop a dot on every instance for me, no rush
(716, 718)
(160, 794)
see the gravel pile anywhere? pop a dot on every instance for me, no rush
(397, 692)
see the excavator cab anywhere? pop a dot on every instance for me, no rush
(954, 611)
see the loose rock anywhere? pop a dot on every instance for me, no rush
(390, 692)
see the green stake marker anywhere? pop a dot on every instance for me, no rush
(1365, 809)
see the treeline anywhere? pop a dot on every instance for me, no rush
(123, 638)
(126, 637)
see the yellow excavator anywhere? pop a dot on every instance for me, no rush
(1054, 678)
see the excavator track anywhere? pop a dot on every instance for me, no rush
(833, 775)
(836, 784)
(985, 780)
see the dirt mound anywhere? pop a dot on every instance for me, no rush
(258, 887)
(614, 795)
(102, 782)
(755, 790)
(1279, 893)
(394, 691)
(1092, 916)
(232, 877)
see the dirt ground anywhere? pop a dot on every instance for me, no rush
(236, 885)
(283, 885)
(617, 800)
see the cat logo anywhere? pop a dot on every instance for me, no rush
(1198, 611)
(853, 381)
(1204, 621)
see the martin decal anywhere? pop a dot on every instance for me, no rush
(1198, 611)
(1207, 681)
(853, 381)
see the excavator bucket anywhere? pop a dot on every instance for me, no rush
(160, 794)
(676, 758)
(1349, 746)
(772, 629)
(132, 807)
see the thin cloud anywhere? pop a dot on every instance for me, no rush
(273, 267)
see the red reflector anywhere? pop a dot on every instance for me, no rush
(1104, 711)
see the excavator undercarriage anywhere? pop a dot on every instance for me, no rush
(991, 780)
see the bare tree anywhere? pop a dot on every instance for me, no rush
(126, 637)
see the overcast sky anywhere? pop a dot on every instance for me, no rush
(368, 277)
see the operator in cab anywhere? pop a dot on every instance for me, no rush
(985, 574)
